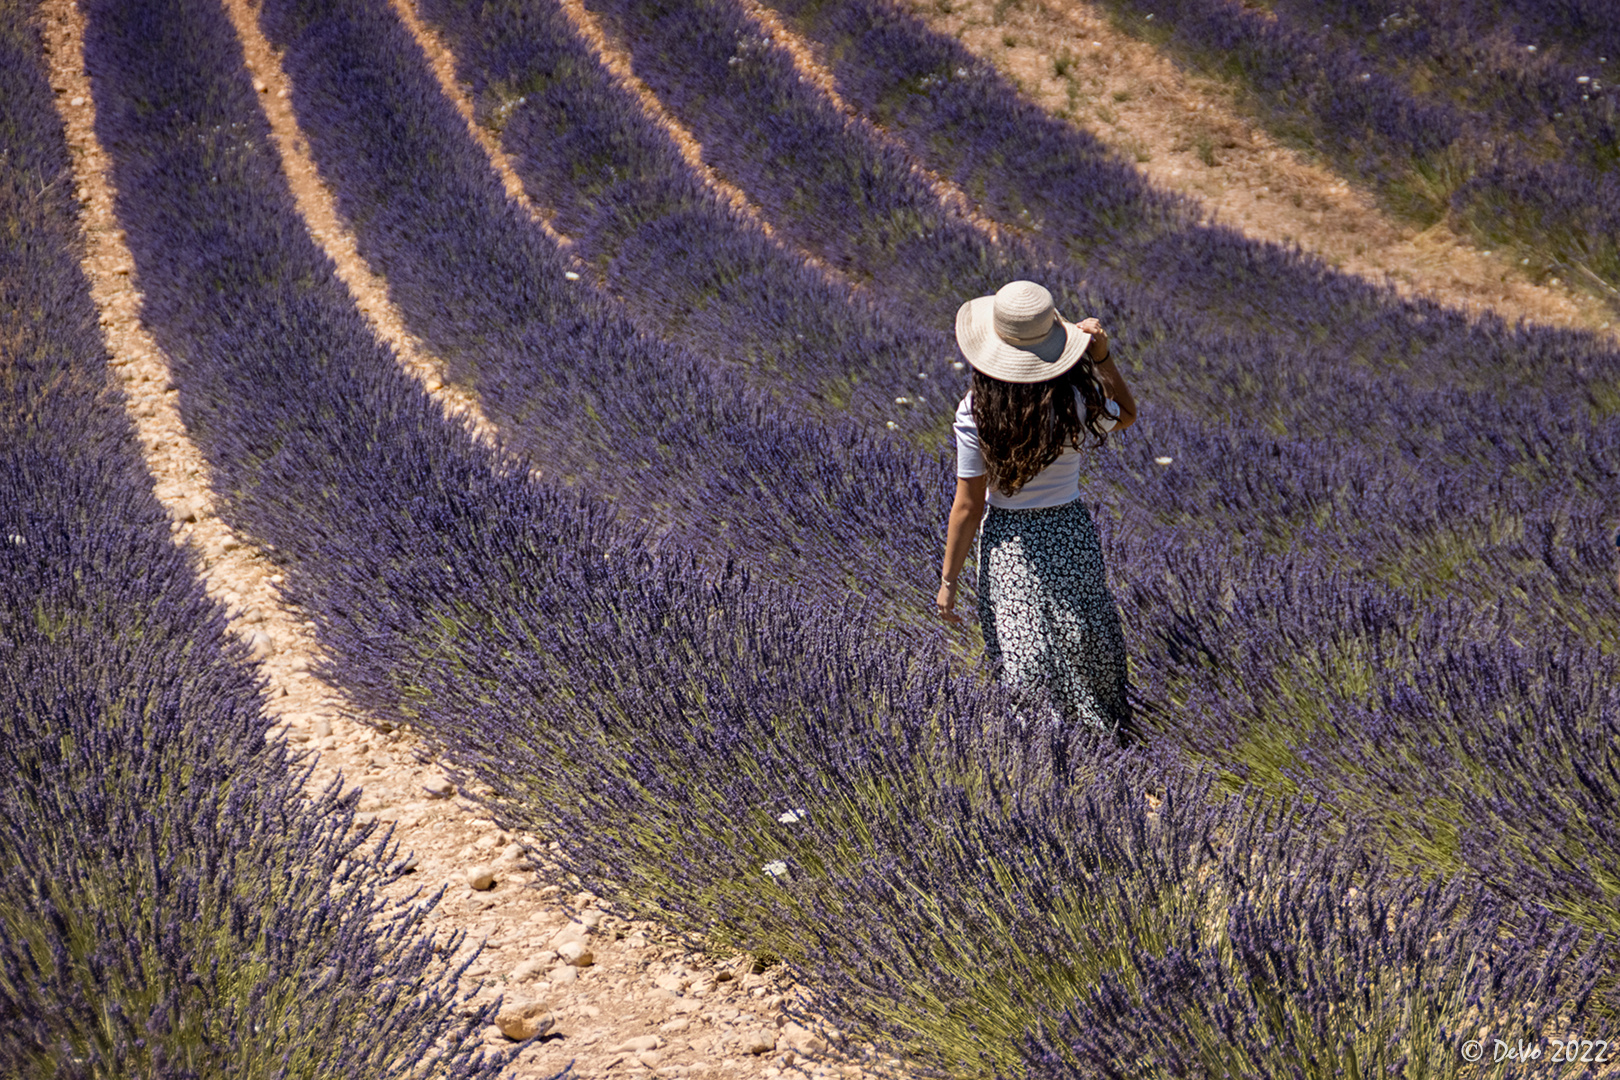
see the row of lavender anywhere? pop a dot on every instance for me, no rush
(146, 818)
(535, 30)
(660, 721)
(1501, 114)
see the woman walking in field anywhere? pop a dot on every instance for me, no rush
(1040, 385)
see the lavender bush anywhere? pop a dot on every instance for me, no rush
(1327, 972)
(170, 903)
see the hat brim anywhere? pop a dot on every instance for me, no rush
(985, 349)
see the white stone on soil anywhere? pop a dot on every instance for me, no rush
(800, 1039)
(260, 645)
(521, 1020)
(571, 931)
(532, 967)
(576, 953)
(758, 1041)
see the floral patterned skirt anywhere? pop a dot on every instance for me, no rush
(1049, 620)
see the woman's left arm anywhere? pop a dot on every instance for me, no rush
(966, 510)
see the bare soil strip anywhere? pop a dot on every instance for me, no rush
(236, 574)
(617, 61)
(318, 208)
(814, 72)
(444, 70)
(1188, 134)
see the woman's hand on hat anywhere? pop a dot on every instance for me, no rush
(1099, 338)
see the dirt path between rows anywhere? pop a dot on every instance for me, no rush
(1185, 133)
(624, 998)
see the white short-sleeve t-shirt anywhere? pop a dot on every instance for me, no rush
(1054, 485)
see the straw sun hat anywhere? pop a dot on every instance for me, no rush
(1017, 335)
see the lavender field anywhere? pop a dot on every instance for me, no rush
(679, 617)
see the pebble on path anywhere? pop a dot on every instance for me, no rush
(519, 1020)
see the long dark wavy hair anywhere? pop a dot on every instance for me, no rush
(1023, 427)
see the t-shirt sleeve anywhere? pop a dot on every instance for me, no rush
(1110, 416)
(969, 460)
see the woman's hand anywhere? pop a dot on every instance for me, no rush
(945, 604)
(1097, 350)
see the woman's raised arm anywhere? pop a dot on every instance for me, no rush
(1100, 352)
(1114, 386)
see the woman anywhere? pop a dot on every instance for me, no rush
(1040, 386)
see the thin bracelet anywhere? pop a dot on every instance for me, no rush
(947, 582)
